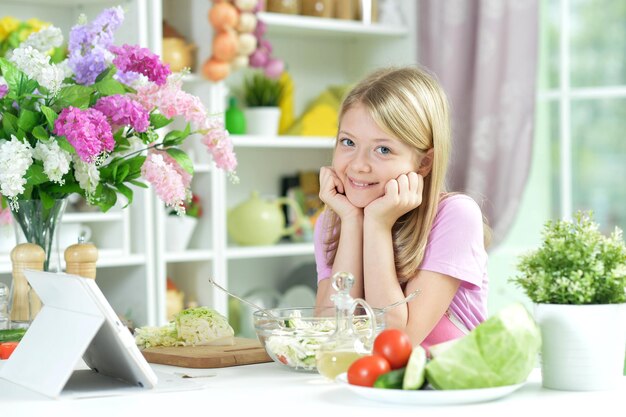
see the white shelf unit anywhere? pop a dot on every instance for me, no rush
(319, 53)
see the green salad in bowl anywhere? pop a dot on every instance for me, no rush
(293, 336)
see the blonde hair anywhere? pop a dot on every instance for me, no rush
(410, 105)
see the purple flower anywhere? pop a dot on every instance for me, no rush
(132, 58)
(88, 45)
(86, 130)
(4, 89)
(123, 111)
(87, 68)
(127, 78)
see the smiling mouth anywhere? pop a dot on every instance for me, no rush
(359, 184)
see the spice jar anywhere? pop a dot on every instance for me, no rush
(81, 258)
(24, 302)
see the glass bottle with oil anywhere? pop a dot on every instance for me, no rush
(344, 345)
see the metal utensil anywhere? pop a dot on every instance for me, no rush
(250, 303)
(404, 301)
(268, 313)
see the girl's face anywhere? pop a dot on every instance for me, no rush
(366, 157)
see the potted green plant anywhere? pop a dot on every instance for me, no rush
(577, 280)
(262, 95)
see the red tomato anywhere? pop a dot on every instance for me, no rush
(365, 370)
(395, 346)
(6, 349)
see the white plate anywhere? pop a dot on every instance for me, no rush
(428, 396)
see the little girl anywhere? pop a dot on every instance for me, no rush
(388, 219)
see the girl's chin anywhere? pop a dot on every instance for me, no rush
(359, 202)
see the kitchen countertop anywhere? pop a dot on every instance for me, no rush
(270, 389)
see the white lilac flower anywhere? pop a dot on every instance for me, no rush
(87, 175)
(36, 65)
(64, 67)
(45, 39)
(56, 161)
(15, 159)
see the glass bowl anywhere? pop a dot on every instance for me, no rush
(293, 337)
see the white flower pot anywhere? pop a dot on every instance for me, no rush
(582, 345)
(262, 120)
(178, 232)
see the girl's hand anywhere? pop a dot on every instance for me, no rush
(402, 195)
(332, 193)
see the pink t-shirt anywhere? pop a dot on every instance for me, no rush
(455, 247)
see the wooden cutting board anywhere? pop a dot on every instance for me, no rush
(243, 352)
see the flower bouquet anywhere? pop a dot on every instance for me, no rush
(91, 124)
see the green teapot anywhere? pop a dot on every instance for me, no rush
(257, 222)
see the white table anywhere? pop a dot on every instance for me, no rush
(269, 389)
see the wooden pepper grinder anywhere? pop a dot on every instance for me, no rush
(80, 259)
(25, 303)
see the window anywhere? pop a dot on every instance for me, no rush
(582, 86)
(579, 153)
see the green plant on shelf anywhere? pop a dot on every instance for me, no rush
(261, 91)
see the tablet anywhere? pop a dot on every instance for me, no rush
(76, 321)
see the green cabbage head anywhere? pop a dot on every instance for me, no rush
(500, 351)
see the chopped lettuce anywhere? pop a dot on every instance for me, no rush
(203, 326)
(501, 351)
(149, 336)
(191, 327)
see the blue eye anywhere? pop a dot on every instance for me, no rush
(383, 150)
(346, 142)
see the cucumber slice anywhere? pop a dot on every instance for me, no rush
(414, 375)
(12, 335)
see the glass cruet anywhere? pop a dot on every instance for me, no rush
(346, 344)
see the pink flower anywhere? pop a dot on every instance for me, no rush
(133, 58)
(219, 145)
(123, 111)
(167, 182)
(172, 101)
(86, 130)
(184, 175)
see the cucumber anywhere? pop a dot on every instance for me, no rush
(391, 380)
(11, 335)
(414, 377)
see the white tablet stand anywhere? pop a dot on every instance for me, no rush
(76, 321)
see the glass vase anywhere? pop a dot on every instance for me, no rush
(39, 224)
